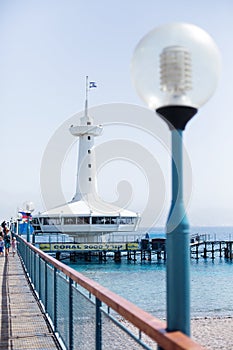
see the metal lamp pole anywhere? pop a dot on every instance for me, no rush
(19, 217)
(28, 226)
(17, 228)
(28, 209)
(177, 227)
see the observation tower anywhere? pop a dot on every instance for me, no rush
(86, 217)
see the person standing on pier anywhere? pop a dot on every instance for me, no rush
(1, 245)
(14, 245)
(7, 241)
(4, 227)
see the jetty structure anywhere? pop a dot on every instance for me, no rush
(86, 217)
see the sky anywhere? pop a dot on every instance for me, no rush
(48, 47)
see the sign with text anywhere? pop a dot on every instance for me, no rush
(51, 247)
(132, 246)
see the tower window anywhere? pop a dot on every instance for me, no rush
(89, 137)
(89, 165)
(89, 179)
(89, 151)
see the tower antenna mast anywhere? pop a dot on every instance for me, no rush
(86, 100)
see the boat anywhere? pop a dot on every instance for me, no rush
(86, 217)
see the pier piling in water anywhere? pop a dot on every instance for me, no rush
(212, 249)
(117, 256)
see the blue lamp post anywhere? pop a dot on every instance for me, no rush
(28, 209)
(175, 69)
(19, 218)
(28, 213)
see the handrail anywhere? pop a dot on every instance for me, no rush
(148, 324)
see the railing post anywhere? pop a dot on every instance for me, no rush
(26, 258)
(29, 263)
(71, 321)
(98, 328)
(55, 298)
(34, 277)
(40, 277)
(46, 286)
(31, 259)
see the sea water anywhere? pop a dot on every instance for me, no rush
(144, 283)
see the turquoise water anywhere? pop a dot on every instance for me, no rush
(144, 283)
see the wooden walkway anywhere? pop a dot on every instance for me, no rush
(22, 323)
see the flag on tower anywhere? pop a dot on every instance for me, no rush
(92, 84)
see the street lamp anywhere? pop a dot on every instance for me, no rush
(19, 218)
(28, 209)
(175, 70)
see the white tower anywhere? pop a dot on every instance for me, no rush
(86, 170)
(87, 217)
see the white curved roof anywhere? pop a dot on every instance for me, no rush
(84, 207)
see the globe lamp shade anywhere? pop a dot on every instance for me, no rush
(28, 207)
(177, 64)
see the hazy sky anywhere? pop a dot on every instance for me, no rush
(47, 49)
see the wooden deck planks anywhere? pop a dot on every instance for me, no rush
(22, 323)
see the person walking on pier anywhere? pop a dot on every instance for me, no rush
(7, 241)
(14, 245)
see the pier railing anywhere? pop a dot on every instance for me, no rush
(85, 315)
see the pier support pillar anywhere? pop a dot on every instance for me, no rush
(212, 250)
(205, 251)
(58, 255)
(197, 251)
(117, 256)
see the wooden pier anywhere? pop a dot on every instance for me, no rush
(147, 251)
(22, 322)
(212, 249)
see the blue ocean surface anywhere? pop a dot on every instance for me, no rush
(144, 283)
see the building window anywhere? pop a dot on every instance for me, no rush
(89, 151)
(70, 221)
(89, 137)
(76, 220)
(88, 123)
(89, 165)
(89, 178)
(51, 221)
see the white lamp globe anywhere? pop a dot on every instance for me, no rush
(28, 207)
(176, 64)
(19, 216)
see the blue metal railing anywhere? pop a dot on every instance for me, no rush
(86, 315)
